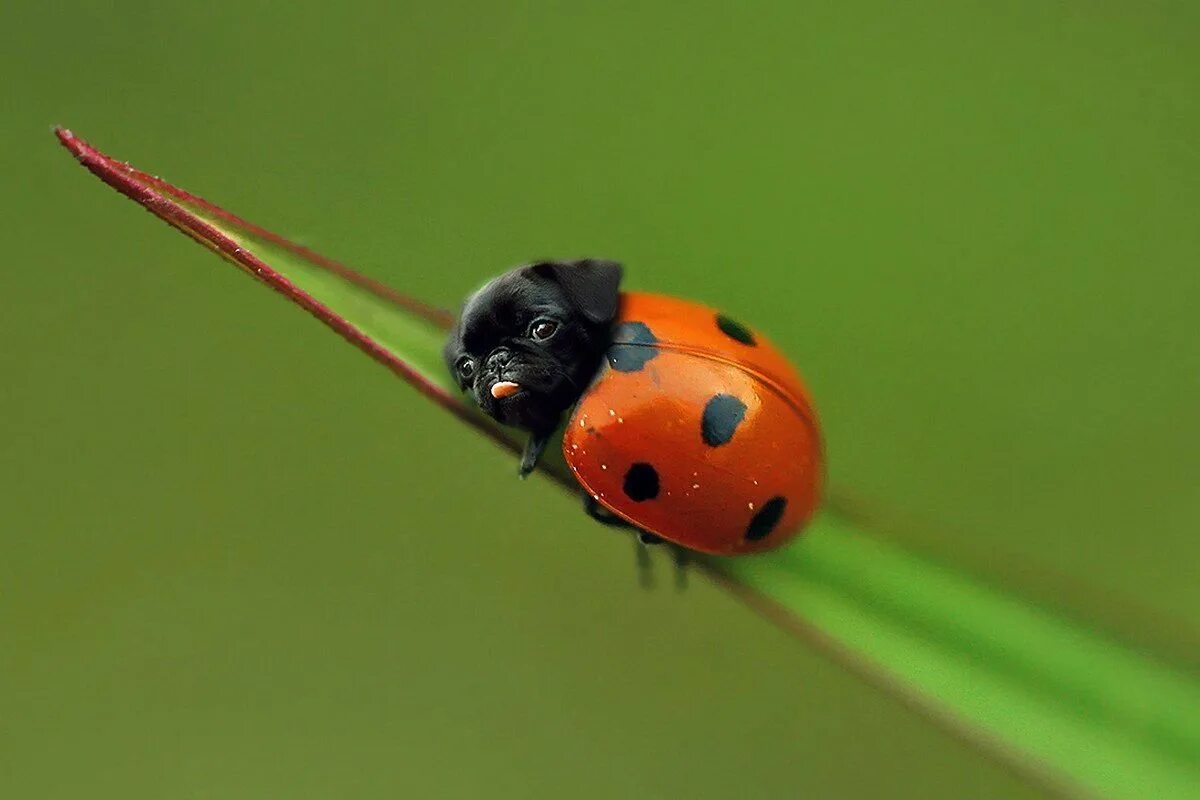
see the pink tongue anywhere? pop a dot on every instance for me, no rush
(505, 389)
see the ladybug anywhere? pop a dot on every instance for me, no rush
(676, 419)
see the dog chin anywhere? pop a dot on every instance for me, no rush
(531, 408)
(518, 411)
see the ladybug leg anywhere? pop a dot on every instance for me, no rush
(645, 568)
(681, 559)
(642, 541)
(534, 447)
(606, 517)
(601, 514)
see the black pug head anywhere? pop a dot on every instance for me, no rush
(527, 343)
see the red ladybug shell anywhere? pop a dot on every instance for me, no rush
(697, 429)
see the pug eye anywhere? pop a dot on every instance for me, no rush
(466, 367)
(542, 329)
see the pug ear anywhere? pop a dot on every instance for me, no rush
(591, 284)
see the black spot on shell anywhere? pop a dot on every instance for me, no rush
(632, 346)
(633, 332)
(766, 519)
(735, 330)
(641, 482)
(722, 415)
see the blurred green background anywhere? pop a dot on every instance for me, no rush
(240, 560)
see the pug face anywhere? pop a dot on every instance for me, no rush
(527, 343)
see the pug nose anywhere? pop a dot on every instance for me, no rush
(500, 359)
